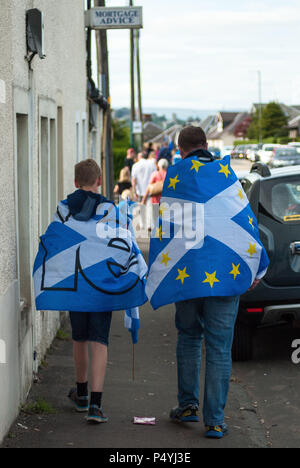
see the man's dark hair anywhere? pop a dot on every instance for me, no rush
(191, 138)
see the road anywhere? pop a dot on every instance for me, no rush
(271, 380)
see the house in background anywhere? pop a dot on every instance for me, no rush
(228, 127)
(294, 127)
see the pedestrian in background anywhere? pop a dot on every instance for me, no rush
(165, 153)
(124, 182)
(156, 182)
(141, 174)
(130, 158)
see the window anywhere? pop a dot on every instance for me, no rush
(77, 143)
(60, 154)
(45, 175)
(23, 213)
(48, 174)
(286, 201)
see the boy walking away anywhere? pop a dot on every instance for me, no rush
(89, 264)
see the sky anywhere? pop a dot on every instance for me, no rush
(206, 54)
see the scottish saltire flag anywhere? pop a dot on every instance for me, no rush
(132, 322)
(206, 242)
(91, 266)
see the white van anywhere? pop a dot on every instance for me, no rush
(266, 152)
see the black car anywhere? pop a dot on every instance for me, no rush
(284, 156)
(274, 196)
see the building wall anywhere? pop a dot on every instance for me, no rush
(43, 133)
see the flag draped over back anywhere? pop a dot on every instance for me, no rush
(206, 242)
(91, 266)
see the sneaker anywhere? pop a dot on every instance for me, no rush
(216, 432)
(186, 414)
(81, 403)
(96, 415)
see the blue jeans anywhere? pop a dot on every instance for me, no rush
(211, 318)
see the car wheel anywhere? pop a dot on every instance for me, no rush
(242, 348)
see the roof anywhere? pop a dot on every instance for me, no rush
(228, 117)
(237, 119)
(151, 130)
(169, 133)
(295, 122)
(289, 111)
(207, 123)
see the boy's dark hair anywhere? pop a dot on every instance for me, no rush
(87, 173)
(191, 138)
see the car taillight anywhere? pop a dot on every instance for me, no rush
(255, 310)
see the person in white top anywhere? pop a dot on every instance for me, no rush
(141, 174)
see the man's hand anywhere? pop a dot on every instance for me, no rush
(255, 283)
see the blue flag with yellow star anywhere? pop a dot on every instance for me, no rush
(206, 241)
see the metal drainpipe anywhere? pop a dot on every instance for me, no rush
(31, 122)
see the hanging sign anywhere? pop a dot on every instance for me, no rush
(137, 127)
(114, 18)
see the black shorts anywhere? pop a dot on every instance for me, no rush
(91, 326)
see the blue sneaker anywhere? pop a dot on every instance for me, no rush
(186, 414)
(81, 403)
(216, 432)
(96, 415)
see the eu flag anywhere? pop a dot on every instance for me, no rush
(206, 241)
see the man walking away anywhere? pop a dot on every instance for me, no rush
(206, 278)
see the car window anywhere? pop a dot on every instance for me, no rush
(286, 152)
(269, 148)
(285, 201)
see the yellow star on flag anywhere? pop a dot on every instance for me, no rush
(211, 279)
(196, 165)
(165, 259)
(241, 194)
(173, 182)
(251, 222)
(235, 270)
(162, 209)
(159, 233)
(182, 275)
(252, 249)
(225, 170)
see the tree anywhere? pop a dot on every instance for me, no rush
(121, 143)
(273, 121)
(253, 129)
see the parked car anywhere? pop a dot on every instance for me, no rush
(226, 151)
(265, 153)
(216, 152)
(274, 196)
(239, 152)
(284, 156)
(295, 144)
(252, 152)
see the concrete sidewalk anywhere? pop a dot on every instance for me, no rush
(152, 394)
